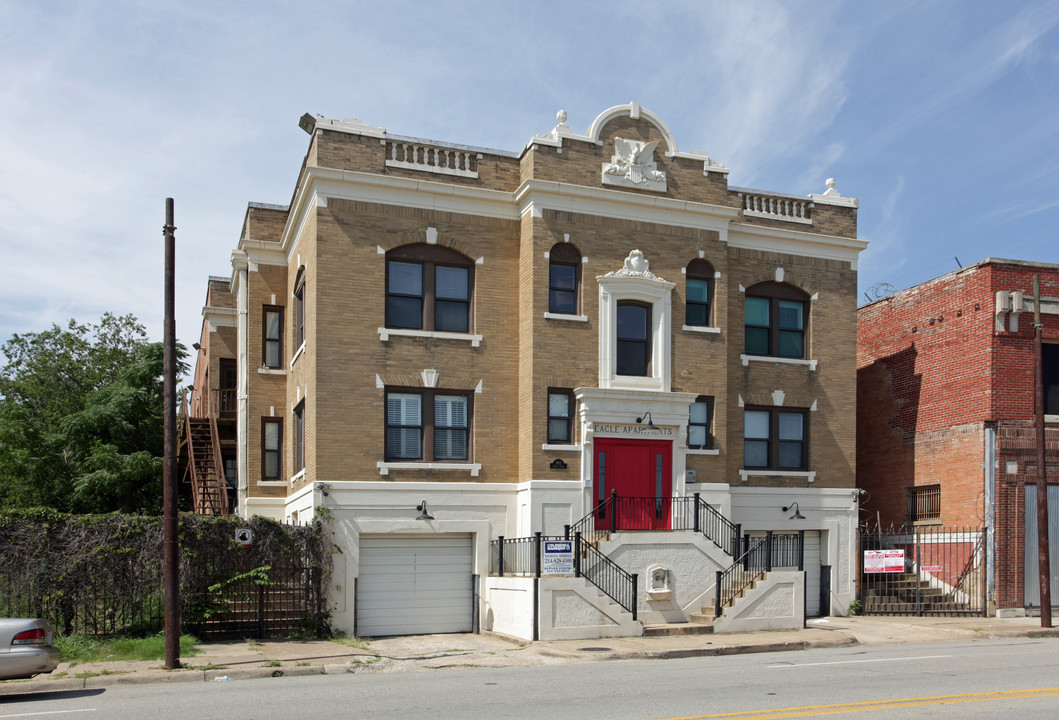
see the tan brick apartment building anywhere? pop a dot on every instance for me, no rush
(512, 336)
(945, 414)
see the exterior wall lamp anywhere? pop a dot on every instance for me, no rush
(651, 427)
(797, 513)
(424, 514)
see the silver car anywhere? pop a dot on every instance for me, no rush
(26, 649)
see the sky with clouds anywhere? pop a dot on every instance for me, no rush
(941, 117)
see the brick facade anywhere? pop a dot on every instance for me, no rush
(944, 379)
(354, 202)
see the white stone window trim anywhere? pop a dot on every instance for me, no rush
(300, 475)
(811, 364)
(1051, 418)
(271, 371)
(386, 467)
(297, 354)
(560, 448)
(703, 451)
(745, 474)
(272, 483)
(563, 316)
(635, 282)
(701, 329)
(474, 340)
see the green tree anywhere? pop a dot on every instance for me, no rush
(81, 418)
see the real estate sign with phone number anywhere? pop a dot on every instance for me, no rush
(884, 561)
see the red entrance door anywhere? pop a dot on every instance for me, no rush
(641, 473)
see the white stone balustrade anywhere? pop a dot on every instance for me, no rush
(428, 158)
(778, 207)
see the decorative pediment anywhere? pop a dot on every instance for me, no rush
(635, 266)
(633, 165)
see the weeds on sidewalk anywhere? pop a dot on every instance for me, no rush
(79, 649)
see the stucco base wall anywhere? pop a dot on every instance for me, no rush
(574, 609)
(776, 603)
(509, 606)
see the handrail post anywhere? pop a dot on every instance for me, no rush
(717, 597)
(801, 550)
(696, 511)
(768, 551)
(735, 538)
(577, 554)
(500, 555)
(635, 580)
(566, 532)
(613, 511)
(537, 554)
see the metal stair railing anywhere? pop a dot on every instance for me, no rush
(209, 494)
(522, 556)
(716, 527)
(644, 513)
(747, 569)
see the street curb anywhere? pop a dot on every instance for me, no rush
(716, 651)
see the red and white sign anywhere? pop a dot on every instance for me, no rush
(884, 561)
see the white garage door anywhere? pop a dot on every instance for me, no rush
(414, 584)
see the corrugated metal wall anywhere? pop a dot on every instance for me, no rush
(1033, 587)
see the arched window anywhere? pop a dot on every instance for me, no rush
(777, 315)
(698, 294)
(428, 288)
(634, 338)
(564, 279)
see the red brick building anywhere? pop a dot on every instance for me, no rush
(945, 409)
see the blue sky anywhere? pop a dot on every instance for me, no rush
(942, 118)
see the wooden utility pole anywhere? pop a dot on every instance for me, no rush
(170, 549)
(1043, 561)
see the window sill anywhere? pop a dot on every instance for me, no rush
(562, 316)
(701, 329)
(297, 354)
(271, 483)
(811, 364)
(298, 478)
(560, 448)
(271, 371)
(1051, 418)
(703, 451)
(474, 340)
(809, 475)
(386, 467)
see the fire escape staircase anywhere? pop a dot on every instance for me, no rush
(205, 470)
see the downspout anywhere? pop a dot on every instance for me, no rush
(240, 262)
(989, 485)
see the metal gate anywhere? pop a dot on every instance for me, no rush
(924, 571)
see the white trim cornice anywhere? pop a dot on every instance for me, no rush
(535, 195)
(319, 182)
(794, 242)
(219, 317)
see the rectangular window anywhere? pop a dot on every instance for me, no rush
(299, 437)
(697, 302)
(560, 406)
(774, 439)
(450, 427)
(700, 436)
(404, 297)
(272, 449)
(273, 337)
(452, 298)
(924, 504)
(404, 426)
(775, 321)
(634, 339)
(562, 290)
(1050, 372)
(299, 313)
(427, 424)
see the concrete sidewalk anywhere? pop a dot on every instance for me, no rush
(242, 659)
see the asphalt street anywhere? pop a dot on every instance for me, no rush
(992, 678)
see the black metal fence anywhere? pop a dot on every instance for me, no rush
(102, 575)
(927, 570)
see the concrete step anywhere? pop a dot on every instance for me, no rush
(702, 618)
(673, 629)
